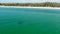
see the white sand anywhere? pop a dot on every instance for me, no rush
(31, 7)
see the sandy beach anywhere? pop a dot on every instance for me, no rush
(31, 7)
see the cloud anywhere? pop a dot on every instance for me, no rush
(31, 1)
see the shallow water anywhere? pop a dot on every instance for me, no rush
(29, 21)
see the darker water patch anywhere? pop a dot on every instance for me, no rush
(21, 22)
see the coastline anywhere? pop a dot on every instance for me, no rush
(30, 7)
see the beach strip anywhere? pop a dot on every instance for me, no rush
(31, 7)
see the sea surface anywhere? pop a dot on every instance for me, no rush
(29, 21)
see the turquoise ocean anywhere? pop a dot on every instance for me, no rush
(29, 21)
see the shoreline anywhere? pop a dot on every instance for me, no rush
(30, 7)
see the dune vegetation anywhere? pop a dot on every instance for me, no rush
(44, 4)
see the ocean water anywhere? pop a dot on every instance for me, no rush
(29, 21)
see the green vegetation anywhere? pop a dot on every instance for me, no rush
(45, 4)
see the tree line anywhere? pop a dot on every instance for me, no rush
(45, 4)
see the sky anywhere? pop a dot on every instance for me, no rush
(27, 1)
